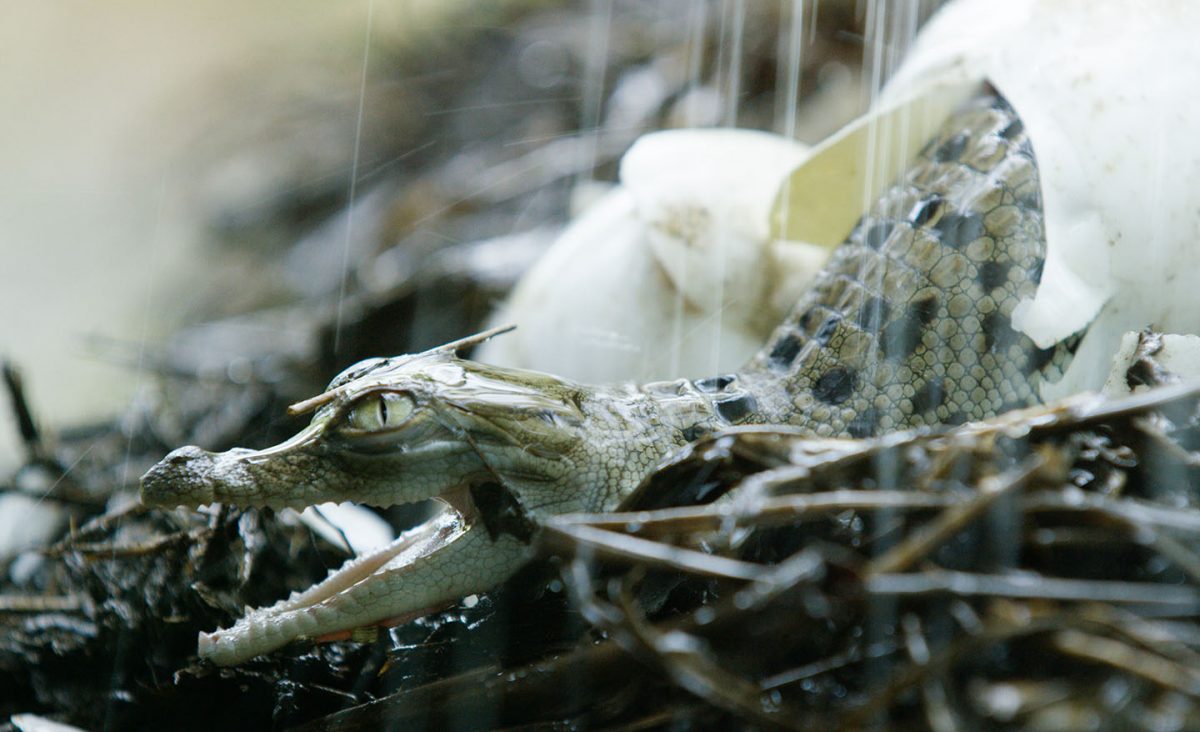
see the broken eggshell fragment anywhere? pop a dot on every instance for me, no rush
(1171, 357)
(671, 273)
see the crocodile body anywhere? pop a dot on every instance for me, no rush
(908, 324)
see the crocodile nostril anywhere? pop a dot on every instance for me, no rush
(183, 476)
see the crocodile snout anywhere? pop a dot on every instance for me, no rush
(184, 477)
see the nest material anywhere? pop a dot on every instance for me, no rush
(1037, 571)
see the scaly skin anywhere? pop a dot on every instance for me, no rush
(908, 324)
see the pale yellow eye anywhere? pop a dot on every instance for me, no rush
(384, 411)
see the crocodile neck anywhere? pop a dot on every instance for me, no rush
(908, 324)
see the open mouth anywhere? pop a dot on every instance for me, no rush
(317, 613)
(424, 569)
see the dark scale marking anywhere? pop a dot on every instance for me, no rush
(1012, 129)
(809, 320)
(993, 274)
(931, 395)
(827, 329)
(736, 408)
(878, 234)
(925, 209)
(959, 230)
(1038, 358)
(714, 384)
(956, 418)
(952, 149)
(873, 314)
(924, 310)
(693, 433)
(864, 424)
(835, 385)
(785, 351)
(1035, 274)
(900, 338)
(998, 333)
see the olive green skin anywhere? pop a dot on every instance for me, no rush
(908, 324)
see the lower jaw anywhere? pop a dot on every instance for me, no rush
(310, 613)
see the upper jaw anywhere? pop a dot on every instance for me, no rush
(183, 477)
(194, 477)
(295, 477)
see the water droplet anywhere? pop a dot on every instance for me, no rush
(771, 701)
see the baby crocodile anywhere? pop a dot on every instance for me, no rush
(908, 324)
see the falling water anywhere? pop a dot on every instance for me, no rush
(729, 58)
(591, 107)
(890, 29)
(352, 186)
(789, 59)
(729, 82)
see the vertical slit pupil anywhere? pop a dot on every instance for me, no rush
(382, 410)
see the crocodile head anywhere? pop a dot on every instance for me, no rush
(390, 431)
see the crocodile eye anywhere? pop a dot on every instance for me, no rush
(378, 412)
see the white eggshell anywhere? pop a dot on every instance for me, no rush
(1179, 355)
(669, 275)
(704, 196)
